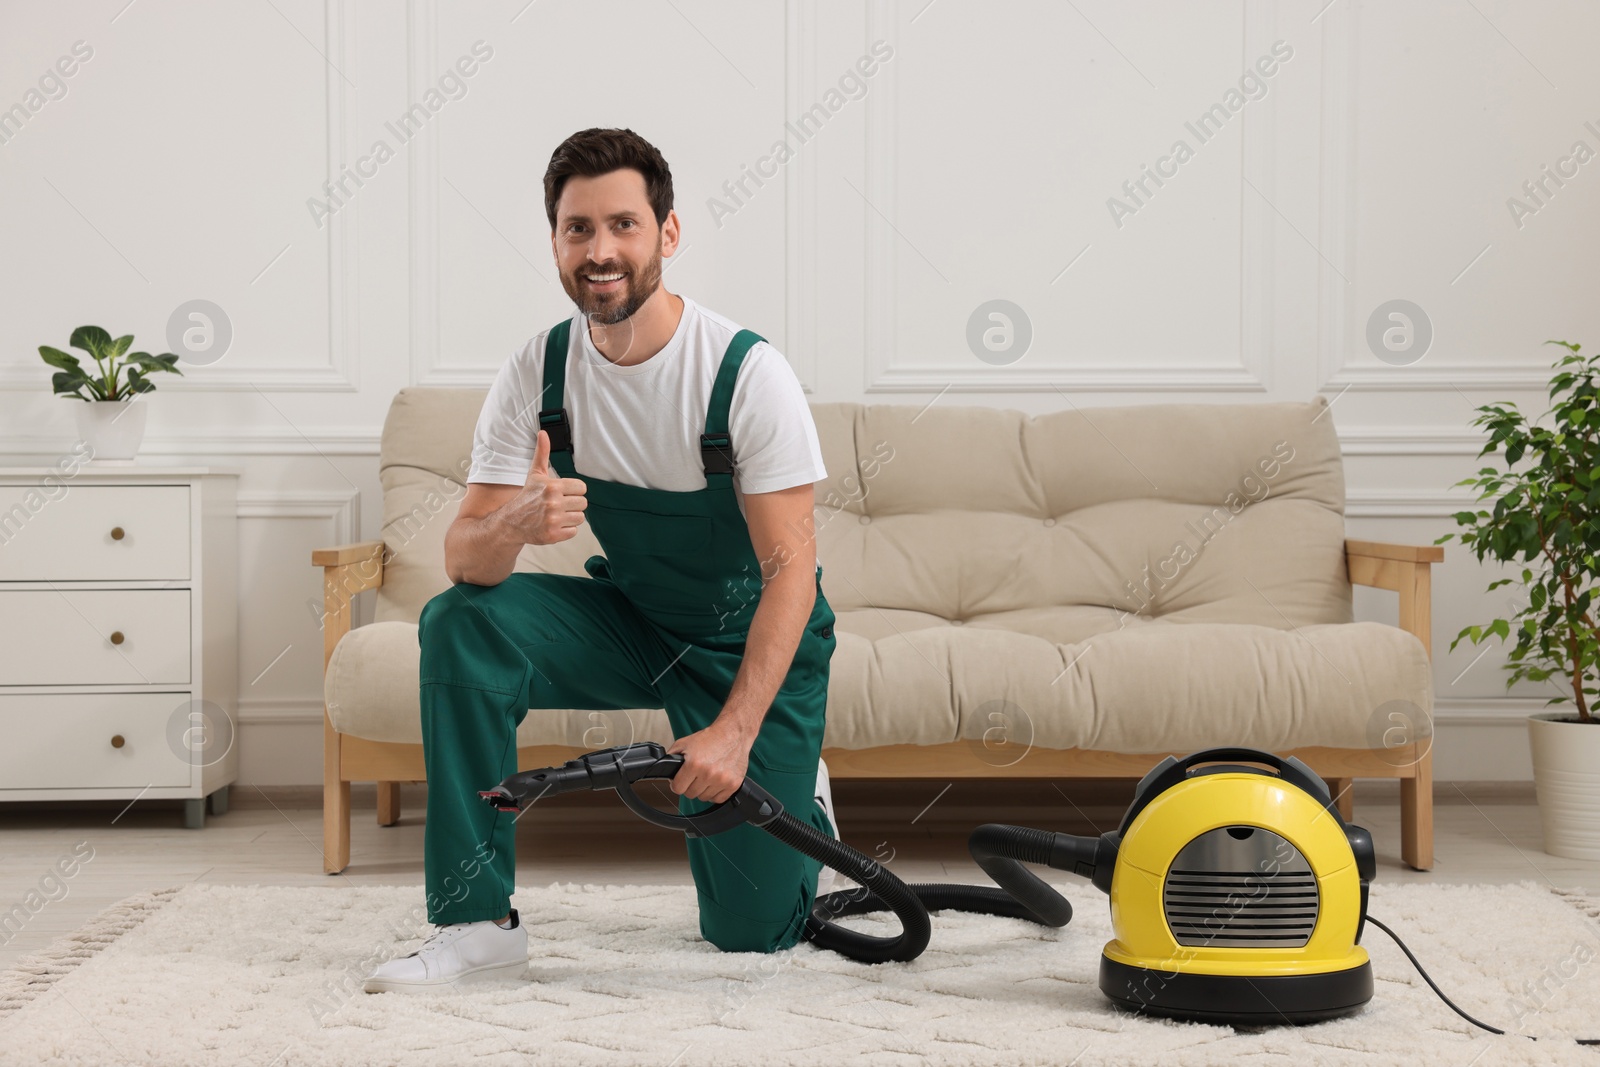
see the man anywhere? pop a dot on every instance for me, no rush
(687, 443)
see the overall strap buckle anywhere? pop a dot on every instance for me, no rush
(716, 453)
(553, 421)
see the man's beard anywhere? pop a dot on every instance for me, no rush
(611, 308)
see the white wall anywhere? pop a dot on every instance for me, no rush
(975, 163)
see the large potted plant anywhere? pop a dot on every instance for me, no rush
(112, 419)
(1546, 519)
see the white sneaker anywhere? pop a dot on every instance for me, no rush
(456, 954)
(825, 798)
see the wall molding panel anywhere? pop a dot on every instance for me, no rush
(887, 370)
(340, 373)
(341, 508)
(1338, 328)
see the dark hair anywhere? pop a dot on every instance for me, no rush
(592, 152)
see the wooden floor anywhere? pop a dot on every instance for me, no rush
(1486, 832)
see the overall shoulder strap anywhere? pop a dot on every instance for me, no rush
(716, 447)
(553, 413)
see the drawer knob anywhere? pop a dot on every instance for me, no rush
(117, 741)
(116, 637)
(117, 533)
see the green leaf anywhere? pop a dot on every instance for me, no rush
(67, 382)
(121, 345)
(84, 381)
(92, 339)
(57, 358)
(149, 363)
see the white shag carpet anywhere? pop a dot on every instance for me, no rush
(237, 975)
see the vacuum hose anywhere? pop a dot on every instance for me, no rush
(1000, 850)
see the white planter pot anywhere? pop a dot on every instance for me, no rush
(112, 428)
(1566, 777)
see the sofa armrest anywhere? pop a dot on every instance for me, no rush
(1405, 569)
(346, 571)
(1382, 550)
(342, 554)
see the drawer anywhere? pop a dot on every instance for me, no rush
(66, 740)
(94, 636)
(94, 533)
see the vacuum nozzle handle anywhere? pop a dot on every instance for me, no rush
(618, 768)
(603, 769)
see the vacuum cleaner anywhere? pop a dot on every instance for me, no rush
(1238, 892)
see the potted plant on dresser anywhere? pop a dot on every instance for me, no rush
(1546, 520)
(111, 421)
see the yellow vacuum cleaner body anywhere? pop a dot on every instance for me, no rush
(1238, 895)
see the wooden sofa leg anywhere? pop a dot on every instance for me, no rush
(1416, 816)
(388, 803)
(335, 803)
(1343, 796)
(335, 826)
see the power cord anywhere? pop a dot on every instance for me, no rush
(1435, 987)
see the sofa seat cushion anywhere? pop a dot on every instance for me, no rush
(1058, 678)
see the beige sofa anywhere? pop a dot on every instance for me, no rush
(1074, 594)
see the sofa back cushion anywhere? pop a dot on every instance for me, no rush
(1182, 512)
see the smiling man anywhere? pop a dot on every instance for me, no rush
(688, 446)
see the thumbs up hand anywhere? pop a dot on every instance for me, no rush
(548, 508)
(541, 458)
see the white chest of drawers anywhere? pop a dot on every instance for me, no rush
(119, 634)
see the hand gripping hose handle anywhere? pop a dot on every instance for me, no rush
(618, 768)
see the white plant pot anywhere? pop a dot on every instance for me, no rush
(111, 428)
(1566, 778)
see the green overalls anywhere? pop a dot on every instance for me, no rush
(660, 622)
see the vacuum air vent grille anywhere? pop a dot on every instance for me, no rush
(1240, 887)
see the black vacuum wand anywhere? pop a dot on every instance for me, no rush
(1000, 850)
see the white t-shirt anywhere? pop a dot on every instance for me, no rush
(641, 424)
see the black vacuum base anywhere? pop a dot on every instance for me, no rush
(1267, 1000)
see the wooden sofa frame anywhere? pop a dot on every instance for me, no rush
(352, 569)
